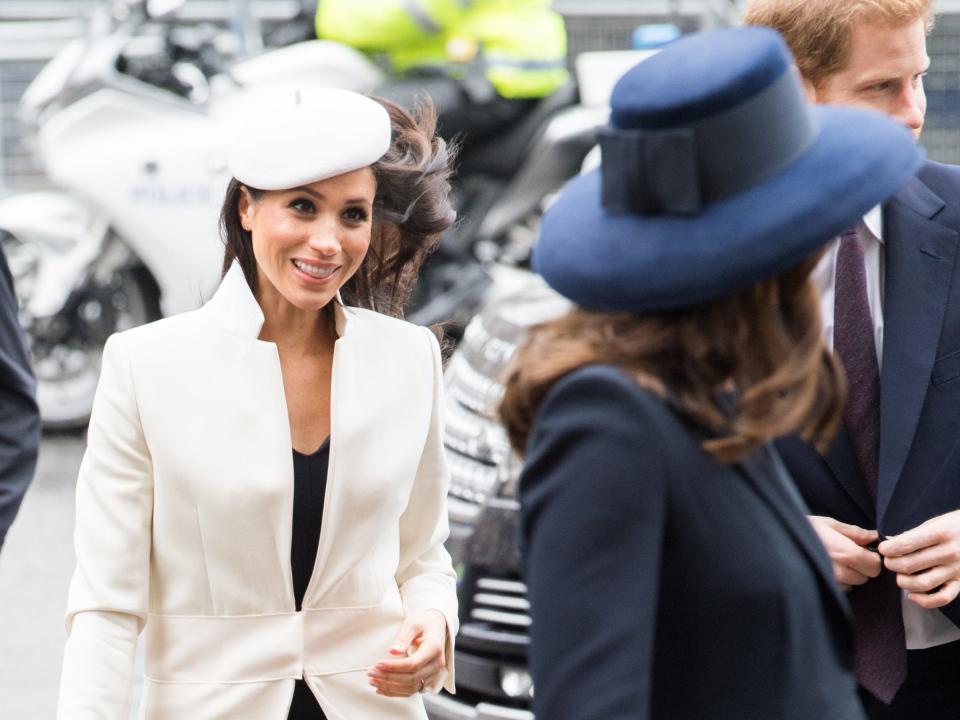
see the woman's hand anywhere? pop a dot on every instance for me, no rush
(420, 647)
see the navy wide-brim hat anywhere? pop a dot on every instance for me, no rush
(715, 174)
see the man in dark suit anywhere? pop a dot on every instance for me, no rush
(19, 415)
(885, 497)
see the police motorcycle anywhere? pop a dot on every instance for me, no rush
(128, 124)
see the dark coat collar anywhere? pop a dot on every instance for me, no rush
(770, 480)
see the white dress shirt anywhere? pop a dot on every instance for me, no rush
(924, 628)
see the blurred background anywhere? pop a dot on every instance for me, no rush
(33, 31)
(111, 174)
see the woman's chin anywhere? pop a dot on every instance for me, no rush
(312, 302)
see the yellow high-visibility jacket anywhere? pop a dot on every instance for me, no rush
(521, 44)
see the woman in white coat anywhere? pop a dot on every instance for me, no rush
(263, 491)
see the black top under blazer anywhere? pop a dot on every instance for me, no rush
(663, 585)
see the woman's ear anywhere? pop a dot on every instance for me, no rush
(245, 207)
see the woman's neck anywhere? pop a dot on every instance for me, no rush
(297, 332)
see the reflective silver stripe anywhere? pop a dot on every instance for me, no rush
(502, 601)
(513, 64)
(501, 618)
(420, 16)
(510, 586)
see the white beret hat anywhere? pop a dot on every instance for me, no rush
(294, 137)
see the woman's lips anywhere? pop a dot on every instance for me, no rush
(316, 273)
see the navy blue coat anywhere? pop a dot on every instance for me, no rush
(919, 473)
(19, 416)
(663, 585)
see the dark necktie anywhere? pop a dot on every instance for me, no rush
(880, 658)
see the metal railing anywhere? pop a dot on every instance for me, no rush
(23, 10)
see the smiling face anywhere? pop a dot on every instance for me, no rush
(884, 72)
(308, 241)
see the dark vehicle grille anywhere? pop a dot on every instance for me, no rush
(495, 616)
(499, 612)
(501, 602)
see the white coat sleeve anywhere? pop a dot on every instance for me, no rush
(108, 599)
(425, 573)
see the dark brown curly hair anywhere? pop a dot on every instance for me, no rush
(412, 208)
(764, 342)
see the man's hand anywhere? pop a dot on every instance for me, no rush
(853, 564)
(927, 560)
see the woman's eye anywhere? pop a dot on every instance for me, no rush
(356, 214)
(303, 205)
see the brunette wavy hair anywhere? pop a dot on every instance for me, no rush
(412, 207)
(763, 342)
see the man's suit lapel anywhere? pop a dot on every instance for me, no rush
(919, 258)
